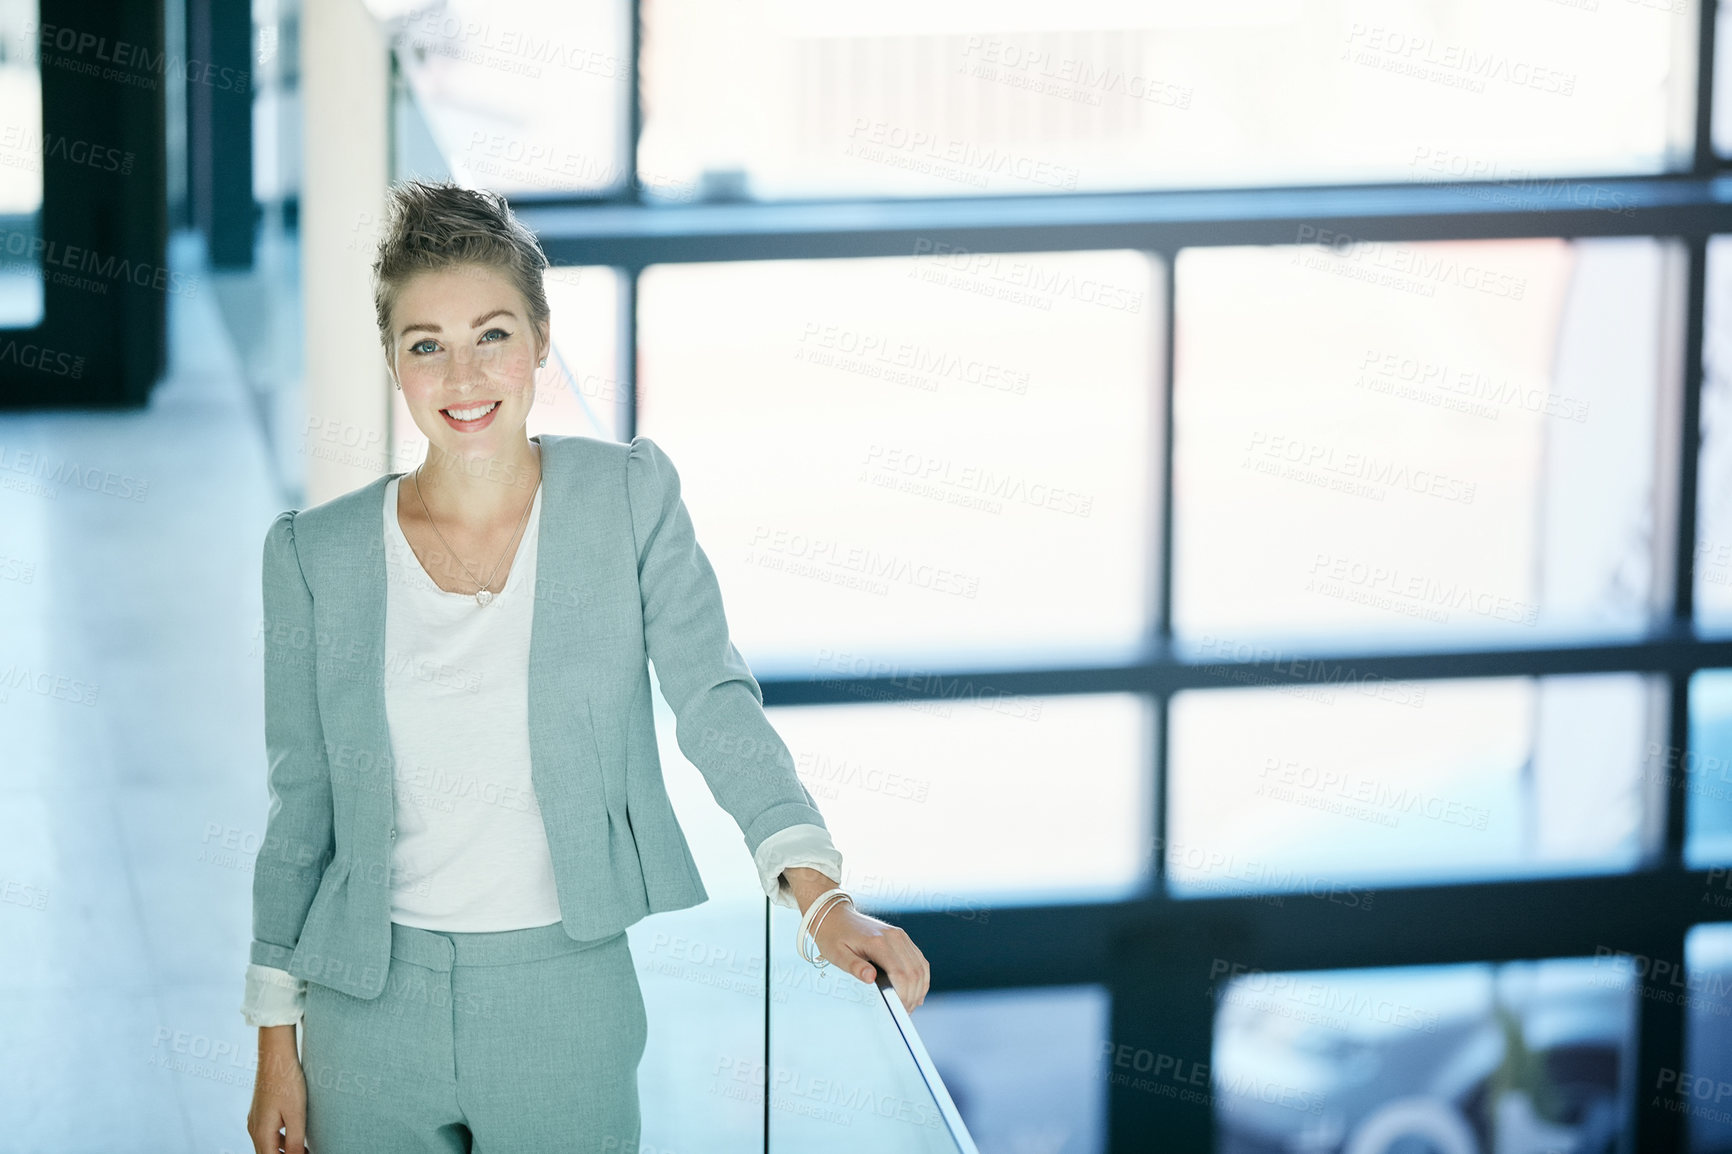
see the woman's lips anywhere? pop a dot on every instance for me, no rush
(473, 426)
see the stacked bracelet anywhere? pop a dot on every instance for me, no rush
(809, 923)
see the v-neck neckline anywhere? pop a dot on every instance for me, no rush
(532, 524)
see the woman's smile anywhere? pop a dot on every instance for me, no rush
(470, 417)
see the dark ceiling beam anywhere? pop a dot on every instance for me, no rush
(633, 235)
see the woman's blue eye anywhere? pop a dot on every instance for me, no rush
(502, 333)
(416, 347)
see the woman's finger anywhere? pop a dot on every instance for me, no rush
(913, 964)
(895, 952)
(863, 945)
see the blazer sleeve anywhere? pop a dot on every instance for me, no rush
(300, 838)
(718, 708)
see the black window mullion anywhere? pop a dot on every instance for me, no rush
(1659, 1046)
(633, 191)
(1660, 1042)
(1705, 161)
(1682, 204)
(1690, 431)
(104, 271)
(1684, 554)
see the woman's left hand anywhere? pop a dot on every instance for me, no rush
(859, 943)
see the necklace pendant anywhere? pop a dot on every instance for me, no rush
(482, 597)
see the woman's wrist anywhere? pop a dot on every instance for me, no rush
(821, 907)
(279, 1058)
(277, 1038)
(806, 884)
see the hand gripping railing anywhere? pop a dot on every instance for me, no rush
(847, 1071)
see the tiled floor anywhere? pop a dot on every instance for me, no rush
(130, 754)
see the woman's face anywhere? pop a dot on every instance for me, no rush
(465, 355)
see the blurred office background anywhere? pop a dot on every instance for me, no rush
(1229, 504)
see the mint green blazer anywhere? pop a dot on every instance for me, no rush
(620, 582)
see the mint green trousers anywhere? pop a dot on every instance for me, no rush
(487, 1043)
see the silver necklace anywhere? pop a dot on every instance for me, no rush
(484, 594)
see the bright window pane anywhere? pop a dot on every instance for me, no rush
(276, 117)
(1528, 1056)
(1706, 769)
(21, 150)
(927, 460)
(1714, 464)
(786, 99)
(521, 96)
(1722, 114)
(579, 392)
(21, 99)
(950, 805)
(1368, 783)
(1425, 443)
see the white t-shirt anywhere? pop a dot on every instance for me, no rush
(468, 851)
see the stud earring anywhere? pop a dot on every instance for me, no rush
(544, 362)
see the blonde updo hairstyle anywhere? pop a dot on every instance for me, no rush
(435, 225)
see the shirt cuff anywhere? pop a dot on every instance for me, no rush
(807, 846)
(274, 997)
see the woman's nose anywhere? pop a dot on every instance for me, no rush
(466, 366)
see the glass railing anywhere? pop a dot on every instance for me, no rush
(847, 1071)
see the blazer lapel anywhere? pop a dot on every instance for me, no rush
(375, 808)
(565, 762)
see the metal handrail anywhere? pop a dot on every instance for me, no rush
(923, 1062)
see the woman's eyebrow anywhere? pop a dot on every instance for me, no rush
(474, 324)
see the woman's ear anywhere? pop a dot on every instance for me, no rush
(391, 371)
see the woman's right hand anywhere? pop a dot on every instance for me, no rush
(278, 1118)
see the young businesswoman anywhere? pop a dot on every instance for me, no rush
(467, 808)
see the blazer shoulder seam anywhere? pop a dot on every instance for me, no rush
(291, 516)
(631, 450)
